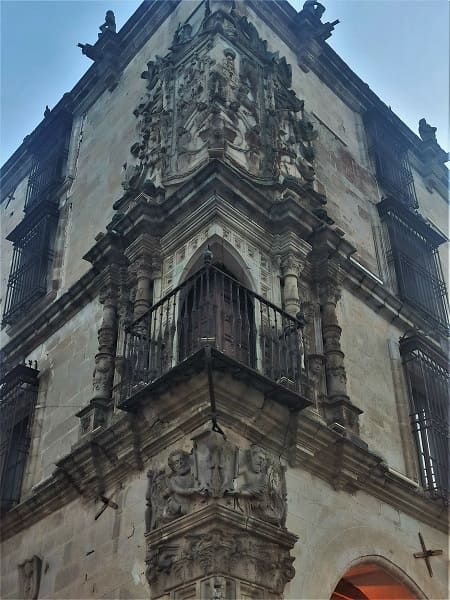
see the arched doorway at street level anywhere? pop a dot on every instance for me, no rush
(370, 581)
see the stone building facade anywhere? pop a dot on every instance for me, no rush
(224, 323)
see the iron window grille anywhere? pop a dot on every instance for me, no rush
(412, 253)
(390, 156)
(18, 395)
(212, 309)
(34, 237)
(428, 379)
(45, 177)
(50, 150)
(32, 256)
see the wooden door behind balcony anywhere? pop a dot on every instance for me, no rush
(217, 312)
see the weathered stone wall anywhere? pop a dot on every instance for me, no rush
(66, 364)
(435, 208)
(342, 162)
(366, 349)
(105, 558)
(336, 529)
(108, 132)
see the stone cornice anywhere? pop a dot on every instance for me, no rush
(227, 517)
(275, 208)
(362, 284)
(133, 440)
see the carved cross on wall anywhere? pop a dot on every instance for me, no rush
(426, 554)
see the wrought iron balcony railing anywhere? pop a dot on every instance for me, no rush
(212, 309)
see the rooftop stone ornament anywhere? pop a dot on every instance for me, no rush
(109, 24)
(427, 132)
(314, 9)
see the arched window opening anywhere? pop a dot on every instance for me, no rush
(211, 308)
(369, 581)
(217, 311)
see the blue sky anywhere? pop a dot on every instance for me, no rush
(399, 47)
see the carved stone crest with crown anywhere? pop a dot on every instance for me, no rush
(219, 93)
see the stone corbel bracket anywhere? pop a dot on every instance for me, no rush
(219, 541)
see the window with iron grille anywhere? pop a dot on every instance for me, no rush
(49, 149)
(44, 178)
(412, 253)
(33, 238)
(18, 395)
(428, 378)
(28, 280)
(390, 156)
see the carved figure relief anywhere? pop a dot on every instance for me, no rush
(249, 480)
(221, 494)
(219, 92)
(263, 490)
(30, 578)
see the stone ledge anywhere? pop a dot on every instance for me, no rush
(134, 439)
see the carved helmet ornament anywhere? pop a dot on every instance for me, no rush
(219, 93)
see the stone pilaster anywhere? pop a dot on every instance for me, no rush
(107, 337)
(291, 267)
(108, 259)
(143, 271)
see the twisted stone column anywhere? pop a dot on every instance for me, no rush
(143, 299)
(339, 408)
(107, 337)
(291, 266)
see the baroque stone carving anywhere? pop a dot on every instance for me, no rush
(30, 578)
(250, 481)
(212, 543)
(427, 132)
(109, 24)
(208, 98)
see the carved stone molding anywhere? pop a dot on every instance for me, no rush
(218, 512)
(216, 541)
